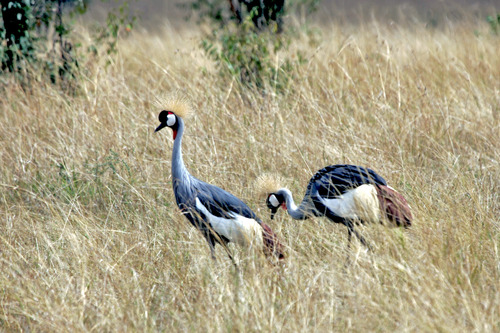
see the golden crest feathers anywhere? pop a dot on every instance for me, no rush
(267, 183)
(176, 103)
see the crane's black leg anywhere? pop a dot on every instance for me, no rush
(350, 227)
(349, 224)
(348, 258)
(351, 230)
(222, 241)
(349, 236)
(211, 243)
(230, 255)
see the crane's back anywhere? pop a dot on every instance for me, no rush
(335, 180)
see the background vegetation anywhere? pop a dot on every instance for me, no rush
(90, 238)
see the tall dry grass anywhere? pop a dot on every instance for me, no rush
(91, 240)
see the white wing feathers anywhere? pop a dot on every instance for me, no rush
(238, 229)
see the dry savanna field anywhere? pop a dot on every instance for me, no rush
(91, 238)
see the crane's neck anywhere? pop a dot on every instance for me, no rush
(179, 171)
(298, 213)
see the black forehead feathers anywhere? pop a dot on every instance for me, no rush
(163, 116)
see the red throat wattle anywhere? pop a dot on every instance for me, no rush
(283, 205)
(175, 134)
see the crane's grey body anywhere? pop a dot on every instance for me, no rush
(219, 215)
(335, 182)
(344, 194)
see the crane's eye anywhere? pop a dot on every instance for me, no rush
(171, 120)
(273, 200)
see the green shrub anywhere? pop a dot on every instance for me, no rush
(494, 23)
(254, 57)
(250, 57)
(118, 21)
(38, 41)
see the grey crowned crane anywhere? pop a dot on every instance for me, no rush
(346, 194)
(220, 216)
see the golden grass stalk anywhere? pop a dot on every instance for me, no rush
(91, 239)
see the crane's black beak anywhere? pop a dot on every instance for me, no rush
(160, 127)
(273, 212)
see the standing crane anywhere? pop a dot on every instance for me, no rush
(220, 216)
(346, 194)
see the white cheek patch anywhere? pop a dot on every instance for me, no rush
(273, 200)
(170, 120)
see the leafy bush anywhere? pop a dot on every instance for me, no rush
(90, 184)
(119, 21)
(35, 38)
(246, 53)
(250, 57)
(214, 11)
(494, 23)
(38, 42)
(17, 43)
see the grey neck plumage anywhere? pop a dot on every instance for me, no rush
(301, 212)
(180, 175)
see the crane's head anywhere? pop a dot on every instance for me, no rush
(176, 108)
(274, 201)
(268, 186)
(168, 119)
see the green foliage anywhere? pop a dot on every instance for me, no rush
(39, 42)
(16, 41)
(494, 23)
(112, 163)
(118, 22)
(36, 40)
(213, 11)
(243, 52)
(105, 177)
(251, 57)
(304, 6)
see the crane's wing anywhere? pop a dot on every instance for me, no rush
(335, 180)
(221, 203)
